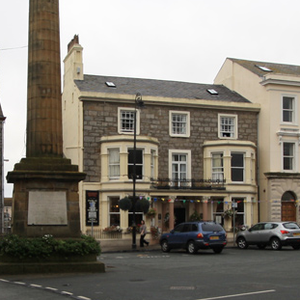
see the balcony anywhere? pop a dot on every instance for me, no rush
(188, 184)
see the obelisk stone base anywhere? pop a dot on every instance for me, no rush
(45, 197)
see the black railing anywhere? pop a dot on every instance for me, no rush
(188, 184)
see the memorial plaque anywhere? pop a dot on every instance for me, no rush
(47, 208)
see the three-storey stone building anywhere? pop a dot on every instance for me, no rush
(195, 148)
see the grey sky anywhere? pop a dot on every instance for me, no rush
(184, 40)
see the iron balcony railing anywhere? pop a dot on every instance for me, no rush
(188, 184)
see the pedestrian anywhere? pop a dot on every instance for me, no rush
(143, 234)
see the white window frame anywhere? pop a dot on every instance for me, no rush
(215, 173)
(236, 167)
(113, 164)
(188, 162)
(120, 129)
(234, 132)
(294, 156)
(293, 110)
(187, 123)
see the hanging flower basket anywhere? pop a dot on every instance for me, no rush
(125, 203)
(228, 213)
(151, 213)
(143, 205)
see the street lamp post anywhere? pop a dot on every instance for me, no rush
(138, 103)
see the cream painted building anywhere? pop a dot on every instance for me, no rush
(276, 87)
(195, 148)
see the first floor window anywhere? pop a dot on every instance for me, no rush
(152, 164)
(217, 167)
(135, 157)
(179, 167)
(288, 156)
(237, 167)
(227, 126)
(114, 163)
(114, 211)
(127, 120)
(288, 104)
(179, 123)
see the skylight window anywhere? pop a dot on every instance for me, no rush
(212, 91)
(265, 69)
(110, 84)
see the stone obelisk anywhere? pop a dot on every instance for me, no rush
(45, 198)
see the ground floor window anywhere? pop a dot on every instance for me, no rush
(139, 216)
(239, 212)
(218, 210)
(114, 211)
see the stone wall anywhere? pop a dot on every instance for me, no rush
(101, 119)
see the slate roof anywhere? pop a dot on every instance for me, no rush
(274, 67)
(157, 88)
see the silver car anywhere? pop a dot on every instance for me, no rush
(275, 234)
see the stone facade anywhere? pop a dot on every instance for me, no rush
(101, 119)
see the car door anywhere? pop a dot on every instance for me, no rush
(266, 233)
(254, 235)
(176, 236)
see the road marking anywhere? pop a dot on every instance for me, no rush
(36, 285)
(51, 288)
(19, 283)
(66, 293)
(239, 295)
(83, 298)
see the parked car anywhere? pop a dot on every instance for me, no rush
(193, 236)
(275, 234)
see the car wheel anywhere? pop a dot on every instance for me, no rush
(241, 243)
(218, 249)
(275, 244)
(296, 247)
(165, 246)
(261, 246)
(191, 247)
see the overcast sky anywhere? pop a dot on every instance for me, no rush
(183, 40)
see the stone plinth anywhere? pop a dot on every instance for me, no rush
(36, 182)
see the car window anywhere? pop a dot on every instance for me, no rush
(194, 227)
(186, 228)
(179, 228)
(290, 226)
(269, 226)
(211, 227)
(259, 226)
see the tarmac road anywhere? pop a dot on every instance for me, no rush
(234, 274)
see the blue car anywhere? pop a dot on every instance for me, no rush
(193, 236)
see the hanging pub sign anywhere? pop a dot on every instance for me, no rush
(92, 208)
